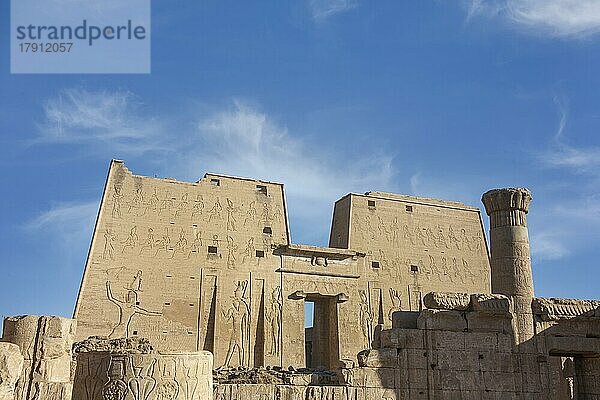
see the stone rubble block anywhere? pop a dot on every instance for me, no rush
(378, 358)
(447, 301)
(442, 320)
(11, 365)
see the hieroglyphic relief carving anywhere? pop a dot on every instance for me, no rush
(149, 242)
(231, 210)
(215, 211)
(180, 245)
(182, 206)
(164, 243)
(143, 383)
(239, 315)
(115, 388)
(231, 249)
(131, 240)
(166, 203)
(128, 308)
(274, 319)
(249, 251)
(137, 201)
(117, 199)
(198, 207)
(168, 388)
(251, 213)
(366, 318)
(196, 245)
(109, 245)
(266, 214)
(396, 299)
(190, 386)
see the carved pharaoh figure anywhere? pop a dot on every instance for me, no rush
(366, 318)
(274, 319)
(128, 308)
(239, 315)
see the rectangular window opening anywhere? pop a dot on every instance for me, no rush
(212, 250)
(414, 268)
(409, 208)
(135, 332)
(375, 264)
(260, 253)
(371, 203)
(262, 189)
(267, 230)
(215, 182)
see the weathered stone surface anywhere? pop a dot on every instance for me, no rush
(45, 343)
(447, 301)
(137, 376)
(445, 320)
(134, 345)
(11, 365)
(378, 358)
(491, 303)
(556, 309)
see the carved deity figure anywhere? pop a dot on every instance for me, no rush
(231, 249)
(239, 315)
(136, 284)
(128, 308)
(137, 201)
(154, 201)
(109, 245)
(180, 245)
(198, 207)
(196, 244)
(183, 205)
(366, 318)
(231, 209)
(396, 299)
(266, 213)
(163, 243)
(117, 198)
(149, 242)
(215, 211)
(251, 213)
(131, 240)
(274, 319)
(250, 250)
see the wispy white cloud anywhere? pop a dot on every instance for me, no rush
(566, 221)
(113, 119)
(556, 18)
(67, 227)
(323, 9)
(561, 154)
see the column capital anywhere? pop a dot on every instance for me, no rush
(507, 199)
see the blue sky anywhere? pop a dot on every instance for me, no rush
(436, 98)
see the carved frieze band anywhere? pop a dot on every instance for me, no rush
(553, 309)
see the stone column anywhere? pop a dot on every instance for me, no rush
(45, 344)
(510, 257)
(129, 369)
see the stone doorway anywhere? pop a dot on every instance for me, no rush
(322, 347)
(577, 378)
